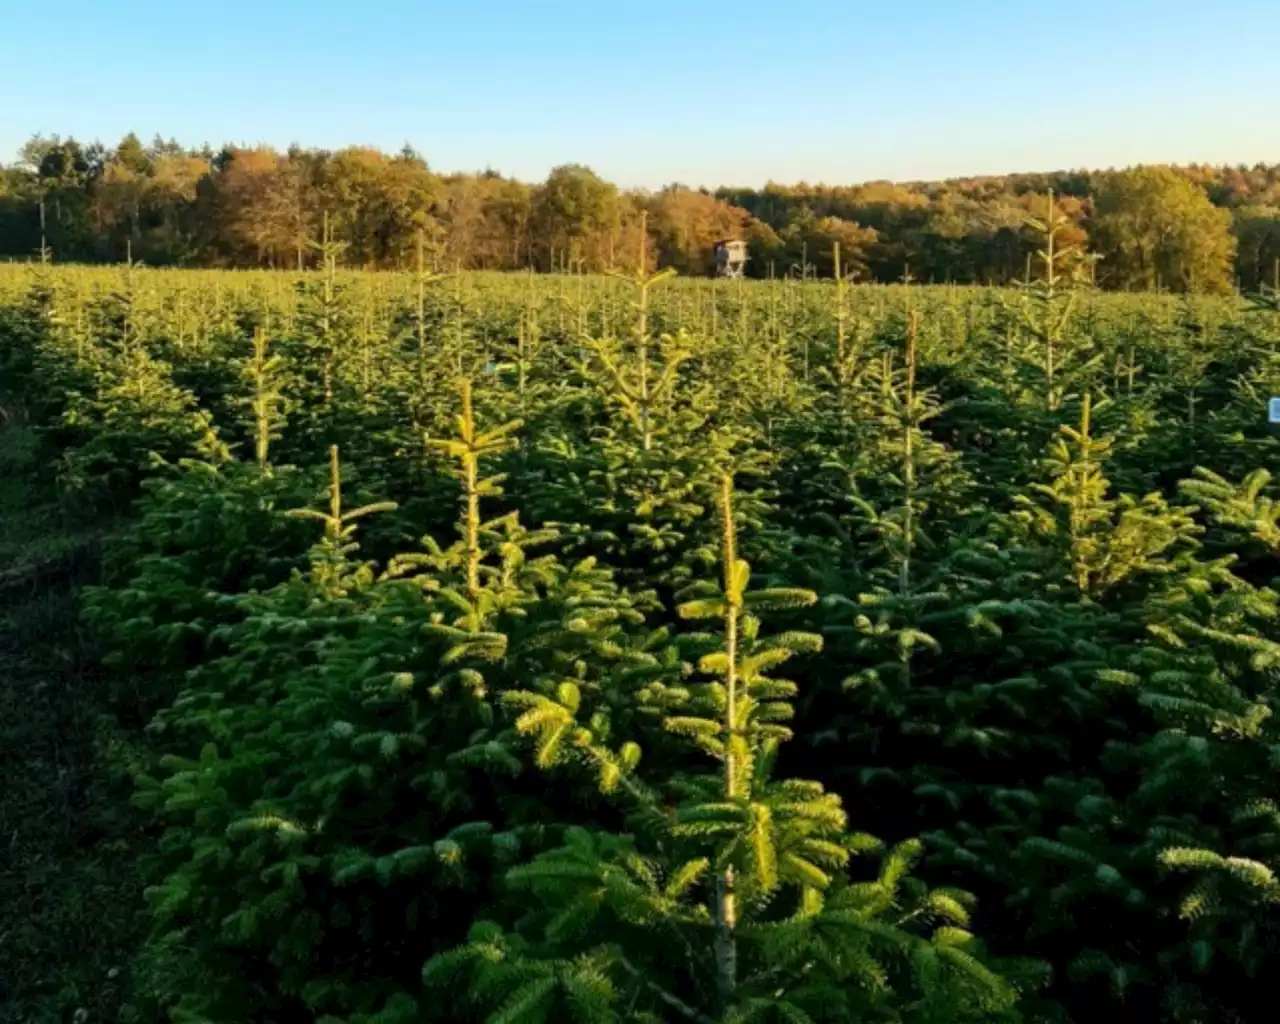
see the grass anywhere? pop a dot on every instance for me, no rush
(70, 891)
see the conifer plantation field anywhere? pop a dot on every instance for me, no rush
(383, 648)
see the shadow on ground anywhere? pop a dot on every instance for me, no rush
(70, 891)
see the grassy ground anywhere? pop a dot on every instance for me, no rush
(70, 891)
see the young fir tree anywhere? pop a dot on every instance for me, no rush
(129, 415)
(729, 900)
(357, 792)
(323, 339)
(1208, 677)
(1100, 558)
(1042, 358)
(1239, 380)
(978, 713)
(637, 489)
(265, 406)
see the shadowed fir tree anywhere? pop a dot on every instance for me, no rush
(732, 898)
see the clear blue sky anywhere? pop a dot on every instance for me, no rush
(660, 91)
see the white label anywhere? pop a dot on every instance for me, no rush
(1273, 410)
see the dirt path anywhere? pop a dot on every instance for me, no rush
(70, 891)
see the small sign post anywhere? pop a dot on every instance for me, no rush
(1273, 410)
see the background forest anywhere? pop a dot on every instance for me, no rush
(1197, 228)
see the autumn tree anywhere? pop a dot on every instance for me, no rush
(571, 204)
(171, 195)
(377, 203)
(686, 223)
(122, 190)
(765, 248)
(132, 155)
(484, 220)
(258, 207)
(1258, 234)
(1154, 228)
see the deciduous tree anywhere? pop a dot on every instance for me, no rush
(1153, 228)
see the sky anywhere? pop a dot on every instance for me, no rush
(663, 91)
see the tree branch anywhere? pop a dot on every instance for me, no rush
(677, 1004)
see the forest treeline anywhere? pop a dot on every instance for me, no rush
(1194, 228)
